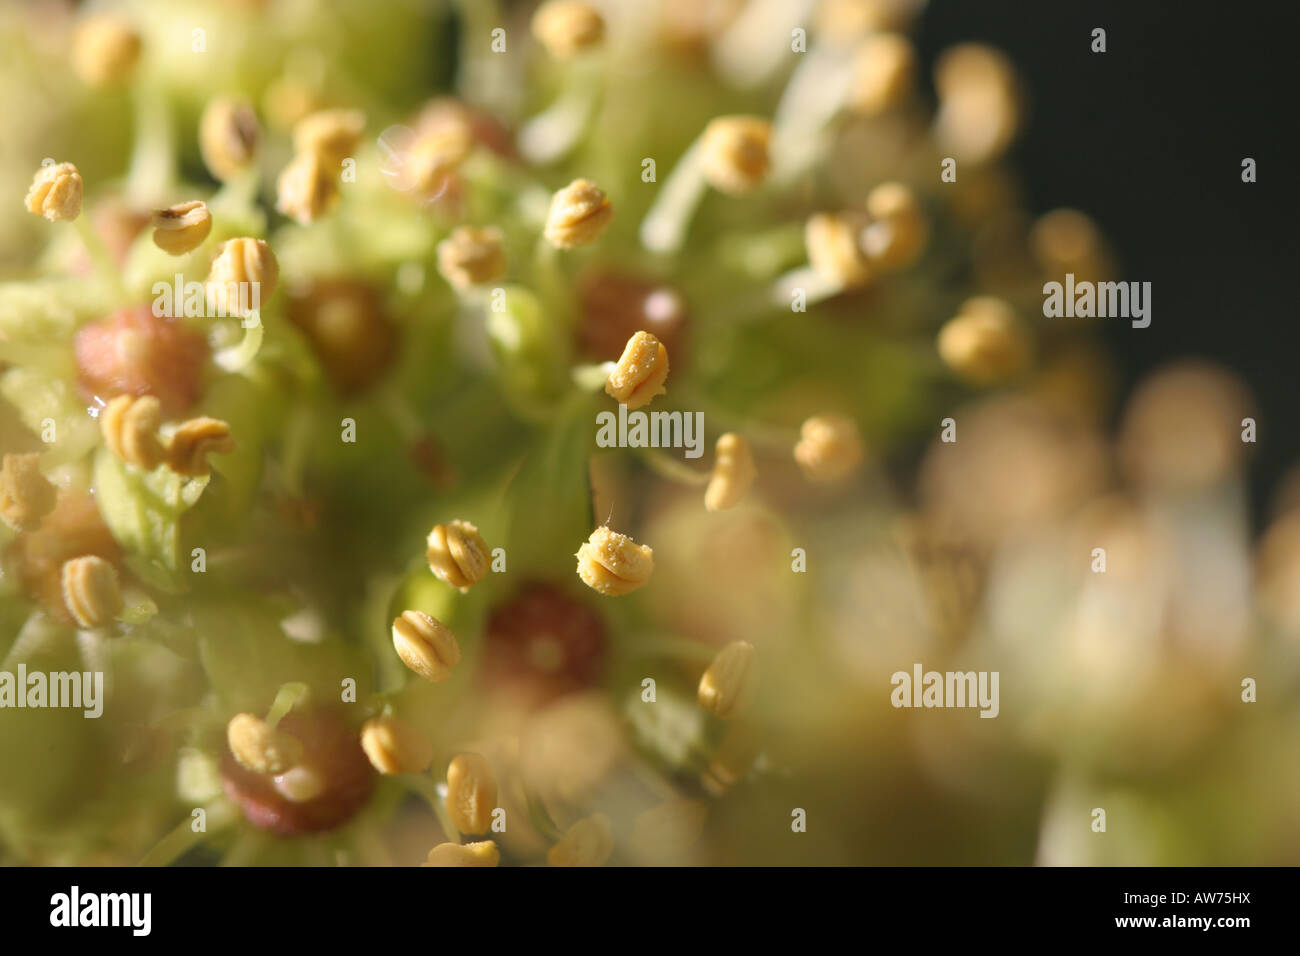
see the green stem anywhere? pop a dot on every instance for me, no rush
(101, 260)
(178, 841)
(239, 357)
(666, 466)
(152, 168)
(435, 794)
(288, 697)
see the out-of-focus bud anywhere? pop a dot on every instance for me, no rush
(1183, 427)
(483, 853)
(568, 27)
(394, 746)
(306, 189)
(898, 232)
(829, 448)
(471, 793)
(26, 496)
(734, 153)
(228, 135)
(472, 256)
(733, 473)
(727, 687)
(884, 69)
(979, 109)
(104, 49)
(332, 135)
(835, 250)
(349, 330)
(985, 343)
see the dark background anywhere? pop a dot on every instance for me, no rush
(1148, 139)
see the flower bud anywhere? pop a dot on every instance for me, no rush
(306, 189)
(897, 232)
(425, 645)
(134, 352)
(56, 192)
(90, 591)
(26, 496)
(346, 322)
(567, 27)
(579, 214)
(613, 563)
(640, 373)
(332, 135)
(979, 108)
(104, 49)
(984, 344)
(829, 448)
(484, 853)
(444, 138)
(471, 793)
(457, 554)
(243, 262)
(589, 842)
(187, 452)
(394, 746)
(834, 250)
(471, 256)
(884, 67)
(130, 425)
(733, 473)
(734, 153)
(228, 135)
(727, 687)
(181, 228)
(261, 748)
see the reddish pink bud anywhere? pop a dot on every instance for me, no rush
(134, 352)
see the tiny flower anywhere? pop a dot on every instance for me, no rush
(444, 138)
(182, 228)
(735, 153)
(733, 473)
(835, 250)
(26, 496)
(90, 590)
(984, 344)
(243, 262)
(187, 452)
(567, 27)
(613, 563)
(979, 108)
(306, 189)
(897, 232)
(457, 554)
(589, 842)
(668, 829)
(130, 425)
(829, 448)
(640, 373)
(471, 793)
(472, 256)
(483, 853)
(228, 135)
(884, 67)
(261, 748)
(56, 192)
(425, 645)
(394, 746)
(727, 687)
(579, 214)
(333, 135)
(104, 49)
